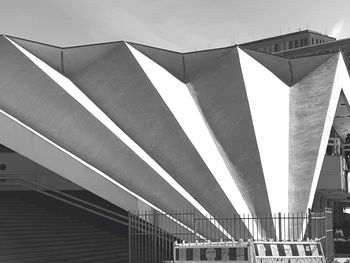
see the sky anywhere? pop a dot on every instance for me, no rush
(181, 25)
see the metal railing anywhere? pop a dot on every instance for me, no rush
(152, 234)
(149, 240)
(64, 197)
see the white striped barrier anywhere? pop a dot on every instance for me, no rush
(288, 252)
(235, 252)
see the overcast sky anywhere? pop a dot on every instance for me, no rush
(172, 24)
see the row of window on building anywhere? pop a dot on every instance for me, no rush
(302, 42)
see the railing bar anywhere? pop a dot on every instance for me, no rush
(297, 225)
(293, 226)
(240, 222)
(257, 227)
(271, 222)
(129, 237)
(137, 232)
(284, 226)
(158, 237)
(149, 236)
(232, 231)
(244, 224)
(160, 223)
(146, 232)
(153, 239)
(138, 229)
(144, 237)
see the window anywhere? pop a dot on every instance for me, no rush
(316, 41)
(290, 44)
(313, 41)
(305, 42)
(276, 48)
(296, 43)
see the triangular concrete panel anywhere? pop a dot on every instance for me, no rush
(170, 60)
(268, 99)
(313, 102)
(76, 58)
(342, 118)
(51, 55)
(183, 107)
(195, 62)
(220, 93)
(277, 65)
(127, 96)
(303, 66)
(33, 98)
(290, 71)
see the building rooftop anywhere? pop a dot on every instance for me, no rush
(286, 35)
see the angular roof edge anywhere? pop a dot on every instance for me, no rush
(118, 41)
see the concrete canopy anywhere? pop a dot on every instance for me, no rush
(77, 58)
(183, 107)
(268, 132)
(303, 66)
(51, 55)
(126, 95)
(68, 60)
(170, 60)
(313, 104)
(227, 113)
(197, 62)
(290, 71)
(232, 96)
(34, 99)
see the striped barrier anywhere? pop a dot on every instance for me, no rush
(235, 252)
(289, 252)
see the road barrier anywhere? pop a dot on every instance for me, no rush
(213, 252)
(288, 252)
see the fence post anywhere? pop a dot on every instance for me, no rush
(280, 226)
(310, 224)
(129, 234)
(194, 226)
(155, 237)
(329, 241)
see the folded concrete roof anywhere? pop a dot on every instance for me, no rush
(236, 94)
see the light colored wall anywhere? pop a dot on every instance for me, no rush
(283, 42)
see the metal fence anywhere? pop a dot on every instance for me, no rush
(152, 234)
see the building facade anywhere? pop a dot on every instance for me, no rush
(289, 41)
